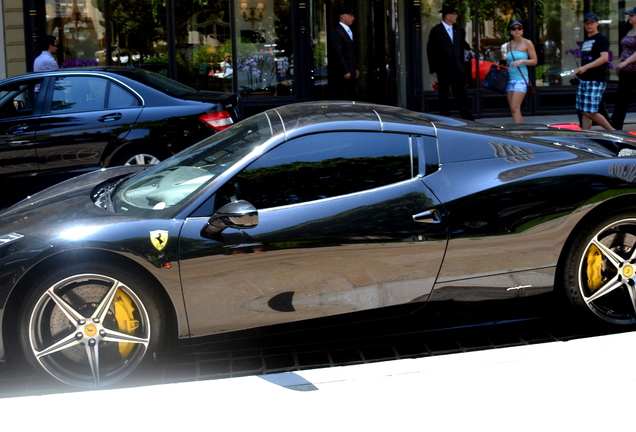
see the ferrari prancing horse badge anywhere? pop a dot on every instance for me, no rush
(159, 238)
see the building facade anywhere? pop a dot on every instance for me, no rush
(275, 52)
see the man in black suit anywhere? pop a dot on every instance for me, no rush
(343, 71)
(446, 56)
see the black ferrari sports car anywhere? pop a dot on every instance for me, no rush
(312, 210)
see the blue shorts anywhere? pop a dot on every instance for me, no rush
(517, 85)
(588, 96)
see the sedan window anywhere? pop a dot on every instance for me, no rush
(78, 93)
(120, 98)
(321, 166)
(18, 99)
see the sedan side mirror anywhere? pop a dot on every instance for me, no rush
(238, 214)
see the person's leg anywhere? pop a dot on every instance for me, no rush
(461, 96)
(622, 98)
(443, 83)
(515, 99)
(598, 118)
(588, 102)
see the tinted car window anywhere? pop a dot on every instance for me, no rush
(321, 166)
(118, 97)
(18, 99)
(78, 93)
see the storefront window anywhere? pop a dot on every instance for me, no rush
(560, 26)
(614, 25)
(77, 26)
(320, 26)
(264, 57)
(431, 17)
(204, 44)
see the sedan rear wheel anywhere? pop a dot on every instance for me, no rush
(601, 276)
(142, 159)
(90, 328)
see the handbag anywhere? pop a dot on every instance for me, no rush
(529, 87)
(497, 79)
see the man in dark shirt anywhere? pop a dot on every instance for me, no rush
(446, 56)
(592, 74)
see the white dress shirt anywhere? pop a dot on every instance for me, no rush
(347, 29)
(45, 62)
(449, 29)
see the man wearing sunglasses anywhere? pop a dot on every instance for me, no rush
(45, 61)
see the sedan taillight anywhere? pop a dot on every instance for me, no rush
(218, 120)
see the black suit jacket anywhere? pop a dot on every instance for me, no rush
(342, 59)
(446, 56)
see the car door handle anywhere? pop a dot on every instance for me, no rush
(109, 117)
(430, 216)
(17, 129)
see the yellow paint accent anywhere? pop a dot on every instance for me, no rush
(594, 268)
(124, 314)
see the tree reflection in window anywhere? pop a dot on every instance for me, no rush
(321, 166)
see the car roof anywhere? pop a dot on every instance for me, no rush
(346, 115)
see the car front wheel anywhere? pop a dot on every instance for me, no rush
(601, 270)
(90, 326)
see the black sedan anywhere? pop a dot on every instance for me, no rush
(313, 210)
(58, 124)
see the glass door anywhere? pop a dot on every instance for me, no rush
(375, 41)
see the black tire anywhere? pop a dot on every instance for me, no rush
(140, 156)
(600, 272)
(90, 325)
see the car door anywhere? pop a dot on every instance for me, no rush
(18, 121)
(85, 118)
(340, 230)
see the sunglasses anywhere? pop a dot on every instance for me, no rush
(516, 28)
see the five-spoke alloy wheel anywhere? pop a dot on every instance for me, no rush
(601, 276)
(90, 329)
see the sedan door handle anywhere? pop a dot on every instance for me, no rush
(109, 117)
(430, 216)
(17, 129)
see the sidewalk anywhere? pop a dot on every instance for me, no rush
(582, 384)
(630, 120)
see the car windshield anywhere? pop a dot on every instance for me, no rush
(157, 191)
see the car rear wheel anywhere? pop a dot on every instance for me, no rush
(601, 270)
(90, 326)
(140, 156)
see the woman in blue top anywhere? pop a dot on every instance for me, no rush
(520, 55)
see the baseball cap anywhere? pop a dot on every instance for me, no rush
(590, 17)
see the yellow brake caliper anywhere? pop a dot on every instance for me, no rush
(594, 268)
(124, 311)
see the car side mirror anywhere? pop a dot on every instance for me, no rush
(238, 214)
